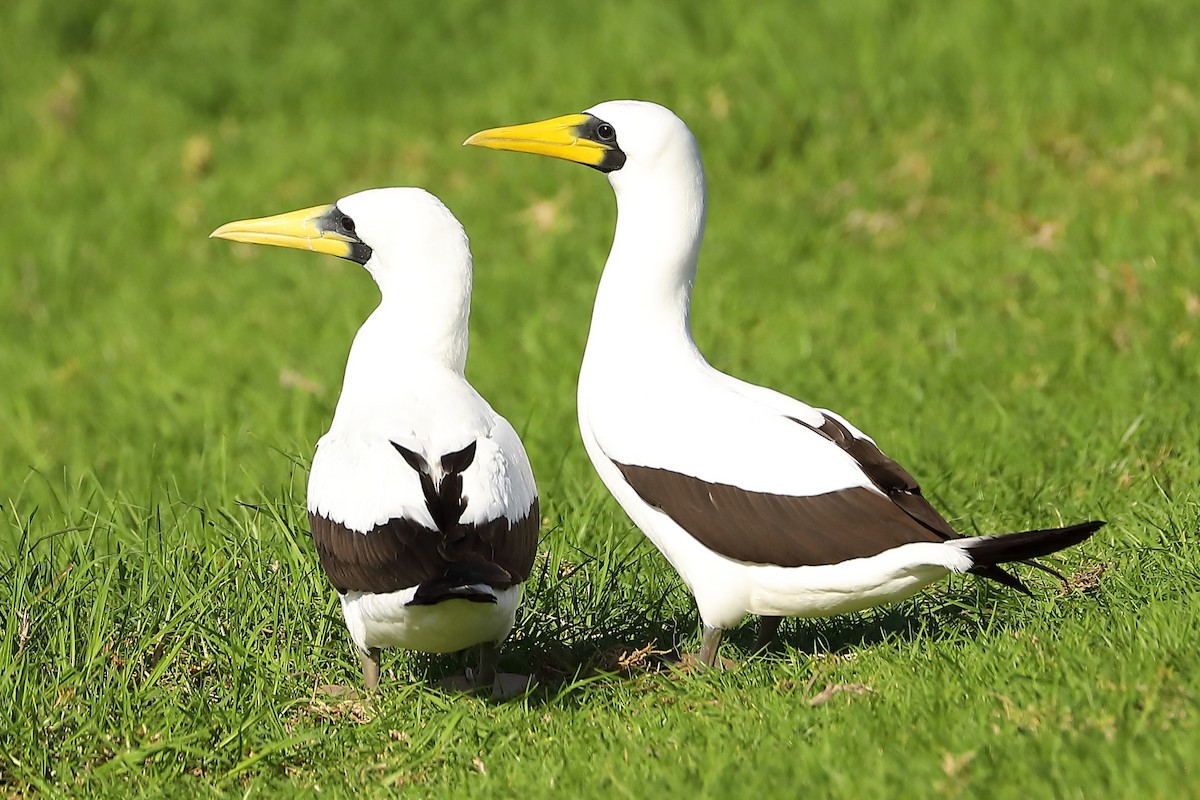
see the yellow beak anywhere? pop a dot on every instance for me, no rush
(557, 138)
(306, 229)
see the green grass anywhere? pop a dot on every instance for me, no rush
(970, 227)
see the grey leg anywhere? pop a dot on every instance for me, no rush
(487, 664)
(370, 668)
(767, 628)
(504, 684)
(709, 644)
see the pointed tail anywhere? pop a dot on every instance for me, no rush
(989, 552)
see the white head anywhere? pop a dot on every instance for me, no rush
(397, 234)
(633, 141)
(416, 243)
(652, 139)
(414, 248)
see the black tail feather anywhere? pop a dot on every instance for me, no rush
(434, 592)
(462, 581)
(989, 552)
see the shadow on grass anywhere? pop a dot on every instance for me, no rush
(584, 617)
(908, 622)
(570, 642)
(961, 611)
(615, 616)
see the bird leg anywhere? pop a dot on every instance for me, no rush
(486, 674)
(370, 668)
(709, 643)
(504, 684)
(767, 628)
(481, 677)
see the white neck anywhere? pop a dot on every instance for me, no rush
(421, 323)
(644, 299)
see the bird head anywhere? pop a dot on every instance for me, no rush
(392, 232)
(624, 138)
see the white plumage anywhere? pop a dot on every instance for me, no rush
(421, 497)
(763, 504)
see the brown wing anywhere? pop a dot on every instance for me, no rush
(891, 478)
(903, 490)
(783, 530)
(510, 546)
(794, 531)
(400, 553)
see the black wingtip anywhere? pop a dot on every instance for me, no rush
(1072, 535)
(988, 551)
(1029, 562)
(459, 460)
(414, 460)
(1003, 576)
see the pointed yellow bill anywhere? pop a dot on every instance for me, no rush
(558, 138)
(306, 229)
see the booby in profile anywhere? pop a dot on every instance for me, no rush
(421, 499)
(763, 504)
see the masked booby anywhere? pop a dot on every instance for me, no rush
(764, 505)
(421, 499)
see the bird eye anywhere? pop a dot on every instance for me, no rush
(347, 224)
(606, 132)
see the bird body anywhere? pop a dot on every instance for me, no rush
(421, 498)
(634, 437)
(763, 504)
(361, 484)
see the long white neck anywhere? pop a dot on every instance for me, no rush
(421, 324)
(643, 303)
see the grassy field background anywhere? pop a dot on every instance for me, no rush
(972, 228)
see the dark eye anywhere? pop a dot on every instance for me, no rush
(347, 225)
(605, 132)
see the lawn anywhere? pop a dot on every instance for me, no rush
(971, 228)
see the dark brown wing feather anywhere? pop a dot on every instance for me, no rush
(401, 553)
(792, 531)
(783, 530)
(903, 490)
(891, 478)
(795, 531)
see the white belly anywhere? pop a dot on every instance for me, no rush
(386, 620)
(852, 585)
